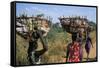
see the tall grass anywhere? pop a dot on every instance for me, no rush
(57, 43)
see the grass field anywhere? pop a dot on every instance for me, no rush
(56, 49)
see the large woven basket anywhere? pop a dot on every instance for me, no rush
(74, 24)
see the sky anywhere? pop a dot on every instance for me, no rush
(55, 11)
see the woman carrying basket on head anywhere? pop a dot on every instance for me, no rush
(73, 50)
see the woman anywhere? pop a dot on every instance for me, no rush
(73, 50)
(88, 45)
(34, 55)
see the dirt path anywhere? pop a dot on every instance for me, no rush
(92, 54)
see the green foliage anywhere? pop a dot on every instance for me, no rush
(93, 25)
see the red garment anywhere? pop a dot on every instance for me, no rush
(74, 52)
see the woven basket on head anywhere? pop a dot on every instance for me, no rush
(74, 24)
